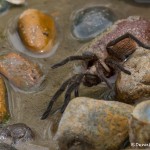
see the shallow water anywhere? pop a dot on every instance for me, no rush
(28, 107)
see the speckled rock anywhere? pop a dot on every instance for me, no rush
(89, 124)
(21, 72)
(129, 88)
(17, 132)
(3, 95)
(139, 125)
(37, 30)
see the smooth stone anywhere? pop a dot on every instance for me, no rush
(21, 72)
(89, 124)
(139, 124)
(90, 22)
(37, 31)
(3, 98)
(131, 88)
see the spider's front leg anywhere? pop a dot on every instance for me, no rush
(73, 85)
(55, 97)
(85, 56)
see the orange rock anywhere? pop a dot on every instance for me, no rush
(37, 30)
(21, 72)
(3, 95)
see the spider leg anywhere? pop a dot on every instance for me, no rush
(75, 84)
(85, 56)
(127, 48)
(76, 92)
(94, 77)
(137, 41)
(117, 65)
(101, 74)
(54, 98)
(126, 35)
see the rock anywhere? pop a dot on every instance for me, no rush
(4, 146)
(21, 72)
(139, 125)
(90, 22)
(89, 124)
(3, 107)
(17, 132)
(129, 88)
(37, 30)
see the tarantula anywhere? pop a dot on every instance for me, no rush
(97, 69)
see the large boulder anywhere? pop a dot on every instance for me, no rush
(89, 124)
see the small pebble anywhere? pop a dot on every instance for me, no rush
(37, 31)
(21, 72)
(17, 132)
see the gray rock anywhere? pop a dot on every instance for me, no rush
(129, 88)
(18, 132)
(89, 124)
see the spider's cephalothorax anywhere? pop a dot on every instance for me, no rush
(97, 70)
